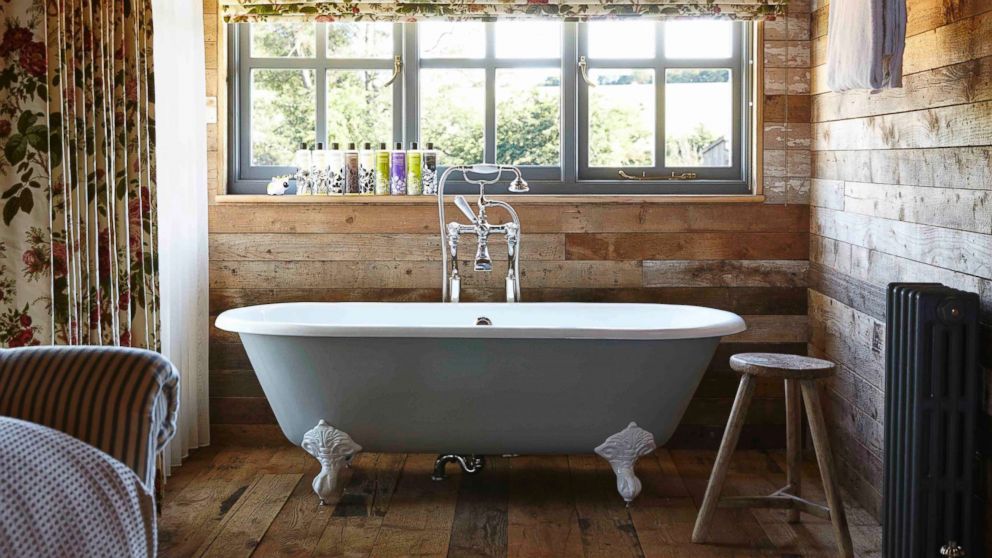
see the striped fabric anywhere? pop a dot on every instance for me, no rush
(120, 400)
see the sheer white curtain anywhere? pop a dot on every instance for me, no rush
(180, 94)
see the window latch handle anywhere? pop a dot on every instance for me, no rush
(673, 176)
(584, 71)
(397, 69)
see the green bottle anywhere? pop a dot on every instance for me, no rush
(382, 170)
(414, 173)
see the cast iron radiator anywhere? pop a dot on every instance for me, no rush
(933, 389)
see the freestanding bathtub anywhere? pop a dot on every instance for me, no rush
(478, 378)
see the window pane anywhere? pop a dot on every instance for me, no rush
(528, 39)
(282, 40)
(621, 39)
(621, 118)
(444, 39)
(452, 113)
(527, 117)
(283, 114)
(699, 39)
(360, 40)
(698, 118)
(359, 107)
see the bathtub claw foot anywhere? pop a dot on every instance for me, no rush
(471, 464)
(332, 448)
(622, 450)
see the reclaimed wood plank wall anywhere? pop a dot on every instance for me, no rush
(901, 191)
(750, 258)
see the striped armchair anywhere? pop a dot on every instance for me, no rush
(122, 401)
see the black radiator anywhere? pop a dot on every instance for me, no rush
(933, 390)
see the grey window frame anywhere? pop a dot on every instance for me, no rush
(246, 178)
(660, 63)
(572, 177)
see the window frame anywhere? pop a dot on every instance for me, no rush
(660, 64)
(572, 177)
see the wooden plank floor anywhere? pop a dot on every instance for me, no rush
(235, 502)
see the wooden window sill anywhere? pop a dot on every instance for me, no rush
(520, 199)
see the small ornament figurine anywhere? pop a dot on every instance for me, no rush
(277, 186)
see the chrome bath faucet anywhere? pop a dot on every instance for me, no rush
(481, 228)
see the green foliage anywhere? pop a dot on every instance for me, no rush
(359, 109)
(527, 133)
(697, 76)
(620, 134)
(686, 151)
(283, 114)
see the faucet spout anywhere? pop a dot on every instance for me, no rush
(481, 228)
(483, 262)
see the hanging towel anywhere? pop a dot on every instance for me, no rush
(865, 42)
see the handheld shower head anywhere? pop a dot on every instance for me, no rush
(519, 185)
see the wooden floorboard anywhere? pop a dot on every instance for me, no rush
(480, 525)
(258, 502)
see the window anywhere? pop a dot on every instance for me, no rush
(599, 107)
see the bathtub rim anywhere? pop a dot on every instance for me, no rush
(240, 320)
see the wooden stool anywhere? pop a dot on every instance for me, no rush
(799, 373)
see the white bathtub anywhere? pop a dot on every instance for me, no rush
(423, 377)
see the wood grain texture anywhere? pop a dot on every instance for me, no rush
(938, 168)
(901, 185)
(480, 526)
(604, 522)
(541, 523)
(361, 247)
(725, 273)
(952, 126)
(421, 512)
(248, 520)
(523, 506)
(545, 219)
(962, 83)
(699, 246)
(961, 251)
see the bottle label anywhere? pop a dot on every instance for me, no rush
(397, 174)
(351, 173)
(429, 174)
(366, 173)
(382, 173)
(414, 185)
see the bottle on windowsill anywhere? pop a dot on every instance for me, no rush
(335, 170)
(429, 172)
(366, 170)
(397, 171)
(382, 157)
(319, 170)
(414, 160)
(304, 163)
(351, 176)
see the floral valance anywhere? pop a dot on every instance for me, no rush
(569, 10)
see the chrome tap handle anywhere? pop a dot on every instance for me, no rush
(463, 205)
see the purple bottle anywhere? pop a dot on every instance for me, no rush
(397, 171)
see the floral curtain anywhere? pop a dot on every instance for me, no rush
(77, 250)
(570, 10)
